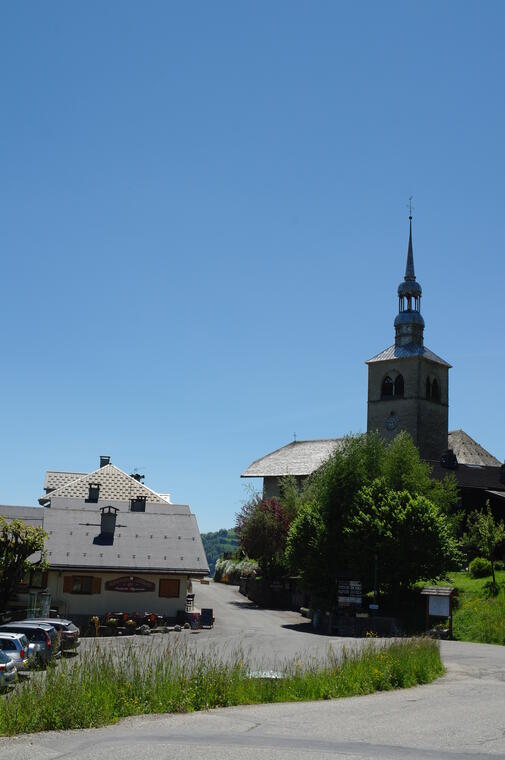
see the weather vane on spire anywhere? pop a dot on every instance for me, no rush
(410, 206)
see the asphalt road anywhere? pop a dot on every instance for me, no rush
(459, 717)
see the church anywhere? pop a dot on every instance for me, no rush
(408, 389)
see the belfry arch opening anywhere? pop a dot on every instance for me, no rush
(393, 388)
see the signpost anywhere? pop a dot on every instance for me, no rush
(439, 603)
(349, 593)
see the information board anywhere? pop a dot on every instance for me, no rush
(439, 606)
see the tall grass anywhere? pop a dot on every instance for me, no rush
(480, 618)
(101, 687)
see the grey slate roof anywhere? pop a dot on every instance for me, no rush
(55, 479)
(30, 515)
(163, 543)
(406, 352)
(469, 451)
(297, 458)
(114, 484)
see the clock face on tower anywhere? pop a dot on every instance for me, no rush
(392, 421)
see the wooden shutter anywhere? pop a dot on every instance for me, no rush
(68, 584)
(96, 585)
(170, 588)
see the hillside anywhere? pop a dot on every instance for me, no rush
(218, 543)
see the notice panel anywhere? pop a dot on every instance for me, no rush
(439, 606)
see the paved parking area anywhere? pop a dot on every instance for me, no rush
(265, 637)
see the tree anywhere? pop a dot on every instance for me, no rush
(21, 550)
(305, 544)
(486, 534)
(409, 535)
(262, 528)
(331, 499)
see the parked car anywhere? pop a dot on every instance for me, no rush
(18, 648)
(8, 672)
(37, 633)
(67, 631)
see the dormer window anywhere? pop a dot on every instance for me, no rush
(93, 493)
(138, 504)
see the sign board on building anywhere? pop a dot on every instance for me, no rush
(129, 584)
(349, 593)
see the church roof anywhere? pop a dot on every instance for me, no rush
(114, 484)
(470, 452)
(407, 352)
(297, 458)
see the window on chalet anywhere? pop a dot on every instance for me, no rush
(138, 505)
(93, 493)
(33, 579)
(82, 584)
(170, 588)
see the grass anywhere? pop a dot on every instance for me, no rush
(101, 688)
(478, 616)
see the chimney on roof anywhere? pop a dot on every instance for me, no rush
(449, 460)
(108, 520)
(104, 460)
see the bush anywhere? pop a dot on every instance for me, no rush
(480, 567)
(230, 570)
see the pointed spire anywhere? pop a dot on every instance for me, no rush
(409, 271)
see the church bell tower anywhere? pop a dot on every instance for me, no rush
(408, 385)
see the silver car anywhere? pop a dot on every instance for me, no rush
(18, 648)
(41, 634)
(8, 672)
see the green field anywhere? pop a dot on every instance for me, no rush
(477, 615)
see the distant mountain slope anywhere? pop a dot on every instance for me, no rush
(218, 543)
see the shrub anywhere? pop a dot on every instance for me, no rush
(230, 570)
(480, 567)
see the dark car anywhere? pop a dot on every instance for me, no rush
(8, 671)
(37, 633)
(67, 631)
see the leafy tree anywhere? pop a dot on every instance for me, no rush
(21, 550)
(410, 536)
(331, 498)
(305, 544)
(404, 470)
(330, 493)
(486, 534)
(262, 528)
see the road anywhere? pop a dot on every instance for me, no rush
(459, 717)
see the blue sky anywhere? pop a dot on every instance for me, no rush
(203, 223)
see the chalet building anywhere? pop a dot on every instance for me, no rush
(113, 544)
(408, 389)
